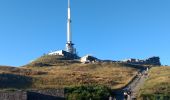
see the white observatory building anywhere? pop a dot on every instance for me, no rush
(70, 51)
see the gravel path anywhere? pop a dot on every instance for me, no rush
(133, 87)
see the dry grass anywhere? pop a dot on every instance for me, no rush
(110, 74)
(158, 81)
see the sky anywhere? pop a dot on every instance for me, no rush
(106, 29)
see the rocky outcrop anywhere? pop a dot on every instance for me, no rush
(153, 61)
(150, 61)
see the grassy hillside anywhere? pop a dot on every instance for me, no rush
(158, 83)
(111, 75)
(57, 72)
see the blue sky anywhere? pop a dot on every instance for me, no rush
(107, 29)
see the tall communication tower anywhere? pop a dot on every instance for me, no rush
(69, 45)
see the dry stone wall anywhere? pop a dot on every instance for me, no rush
(55, 94)
(13, 95)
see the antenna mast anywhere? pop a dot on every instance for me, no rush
(69, 45)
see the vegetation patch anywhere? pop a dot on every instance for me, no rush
(88, 92)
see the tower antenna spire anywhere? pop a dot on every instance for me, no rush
(69, 45)
(68, 3)
(70, 51)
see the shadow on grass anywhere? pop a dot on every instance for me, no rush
(14, 81)
(39, 96)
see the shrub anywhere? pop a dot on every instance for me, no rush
(88, 92)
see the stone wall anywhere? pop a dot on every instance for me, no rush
(55, 94)
(18, 95)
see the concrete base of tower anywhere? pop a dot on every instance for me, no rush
(70, 48)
